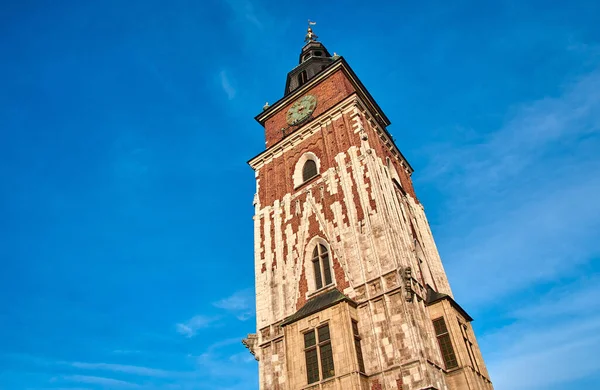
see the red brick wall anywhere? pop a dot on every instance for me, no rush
(376, 385)
(328, 93)
(276, 177)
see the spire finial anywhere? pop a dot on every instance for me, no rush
(310, 35)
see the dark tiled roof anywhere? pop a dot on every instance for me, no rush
(318, 303)
(434, 296)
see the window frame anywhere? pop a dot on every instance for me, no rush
(318, 347)
(445, 345)
(298, 177)
(320, 260)
(357, 347)
(468, 344)
(304, 166)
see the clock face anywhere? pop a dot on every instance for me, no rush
(301, 110)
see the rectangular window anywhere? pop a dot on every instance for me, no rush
(468, 345)
(318, 354)
(327, 360)
(359, 355)
(310, 353)
(445, 343)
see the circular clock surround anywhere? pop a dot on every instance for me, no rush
(301, 110)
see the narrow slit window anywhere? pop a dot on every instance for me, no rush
(359, 355)
(468, 345)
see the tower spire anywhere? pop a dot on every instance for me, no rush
(310, 36)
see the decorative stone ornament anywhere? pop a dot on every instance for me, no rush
(310, 35)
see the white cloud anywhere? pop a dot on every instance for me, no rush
(246, 13)
(524, 197)
(226, 85)
(126, 351)
(552, 345)
(97, 380)
(241, 303)
(574, 300)
(194, 324)
(554, 363)
(524, 201)
(135, 370)
(216, 361)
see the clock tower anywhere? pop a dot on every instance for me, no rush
(351, 292)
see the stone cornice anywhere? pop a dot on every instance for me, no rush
(345, 106)
(348, 105)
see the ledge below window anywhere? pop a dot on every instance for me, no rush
(323, 289)
(307, 182)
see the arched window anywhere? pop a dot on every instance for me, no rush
(309, 170)
(307, 167)
(321, 267)
(302, 78)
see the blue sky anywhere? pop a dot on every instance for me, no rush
(126, 202)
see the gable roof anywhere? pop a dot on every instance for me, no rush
(318, 303)
(434, 296)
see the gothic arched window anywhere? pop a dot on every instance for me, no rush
(322, 270)
(307, 167)
(309, 170)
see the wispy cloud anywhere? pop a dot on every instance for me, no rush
(525, 196)
(553, 363)
(98, 380)
(550, 343)
(240, 303)
(60, 388)
(574, 300)
(127, 369)
(216, 361)
(191, 327)
(246, 11)
(126, 351)
(226, 84)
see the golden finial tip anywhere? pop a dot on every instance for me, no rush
(310, 36)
